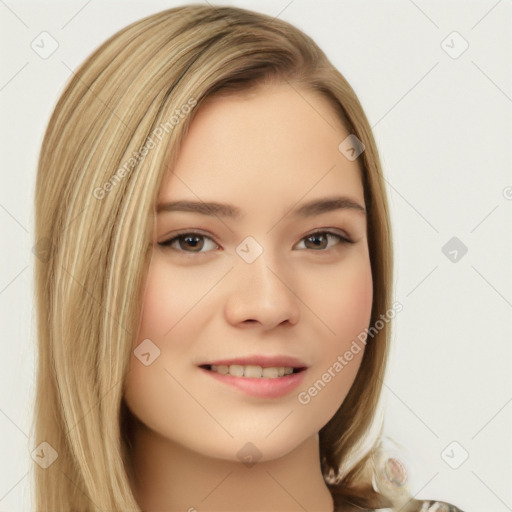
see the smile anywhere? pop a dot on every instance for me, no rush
(258, 381)
(253, 371)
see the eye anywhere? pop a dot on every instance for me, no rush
(192, 240)
(317, 239)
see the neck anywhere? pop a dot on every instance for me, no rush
(170, 477)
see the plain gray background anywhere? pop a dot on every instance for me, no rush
(442, 118)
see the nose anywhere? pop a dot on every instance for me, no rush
(261, 295)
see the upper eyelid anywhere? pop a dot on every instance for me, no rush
(179, 234)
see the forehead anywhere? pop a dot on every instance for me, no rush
(272, 145)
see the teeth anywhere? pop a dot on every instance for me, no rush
(252, 371)
(236, 370)
(271, 373)
(223, 369)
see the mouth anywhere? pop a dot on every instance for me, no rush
(253, 371)
(263, 377)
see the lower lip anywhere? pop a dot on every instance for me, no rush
(261, 387)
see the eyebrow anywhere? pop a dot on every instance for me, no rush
(309, 209)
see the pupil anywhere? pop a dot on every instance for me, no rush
(194, 244)
(317, 237)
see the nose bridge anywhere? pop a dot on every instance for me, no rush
(262, 290)
(262, 274)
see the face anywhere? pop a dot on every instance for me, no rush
(261, 287)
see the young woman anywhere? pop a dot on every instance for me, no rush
(214, 296)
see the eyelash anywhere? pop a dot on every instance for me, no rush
(167, 243)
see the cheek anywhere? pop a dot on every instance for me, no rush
(168, 297)
(163, 304)
(152, 391)
(354, 303)
(342, 300)
(344, 305)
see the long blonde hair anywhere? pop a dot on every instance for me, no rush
(114, 133)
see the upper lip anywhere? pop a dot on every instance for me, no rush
(264, 361)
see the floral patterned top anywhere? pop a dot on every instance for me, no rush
(393, 476)
(438, 506)
(428, 506)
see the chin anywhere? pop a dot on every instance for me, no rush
(259, 447)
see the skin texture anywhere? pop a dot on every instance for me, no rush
(266, 152)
